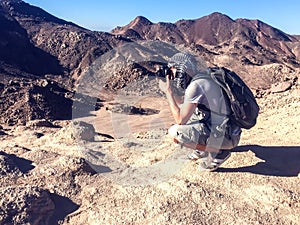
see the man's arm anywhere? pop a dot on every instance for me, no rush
(181, 115)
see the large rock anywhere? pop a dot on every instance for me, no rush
(23, 100)
(83, 131)
(76, 131)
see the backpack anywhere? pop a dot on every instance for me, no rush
(244, 108)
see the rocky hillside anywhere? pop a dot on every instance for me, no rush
(34, 42)
(219, 30)
(260, 53)
(38, 48)
(47, 178)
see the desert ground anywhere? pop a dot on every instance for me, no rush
(130, 171)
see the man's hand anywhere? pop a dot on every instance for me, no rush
(181, 115)
(165, 87)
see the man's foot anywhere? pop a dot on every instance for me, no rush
(215, 163)
(197, 154)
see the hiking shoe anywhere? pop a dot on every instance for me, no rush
(216, 162)
(196, 154)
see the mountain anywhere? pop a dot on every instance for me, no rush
(260, 53)
(17, 49)
(41, 56)
(37, 43)
(214, 30)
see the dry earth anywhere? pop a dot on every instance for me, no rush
(143, 178)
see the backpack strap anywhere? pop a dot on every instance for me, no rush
(224, 128)
(225, 87)
(201, 76)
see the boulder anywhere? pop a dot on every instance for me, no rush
(83, 131)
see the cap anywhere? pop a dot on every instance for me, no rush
(184, 62)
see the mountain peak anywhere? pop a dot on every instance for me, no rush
(138, 24)
(216, 16)
(141, 20)
(21, 9)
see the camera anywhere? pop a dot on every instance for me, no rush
(163, 71)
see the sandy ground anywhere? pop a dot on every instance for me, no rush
(144, 178)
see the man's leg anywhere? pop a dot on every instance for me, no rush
(185, 134)
(190, 135)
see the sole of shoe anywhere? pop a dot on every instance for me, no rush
(204, 167)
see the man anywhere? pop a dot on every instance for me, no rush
(200, 113)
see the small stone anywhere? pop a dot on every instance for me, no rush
(281, 87)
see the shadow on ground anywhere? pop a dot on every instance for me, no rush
(22, 164)
(277, 160)
(63, 207)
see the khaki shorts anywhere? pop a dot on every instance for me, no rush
(197, 132)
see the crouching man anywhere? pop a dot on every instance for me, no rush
(193, 102)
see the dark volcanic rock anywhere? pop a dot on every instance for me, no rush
(132, 110)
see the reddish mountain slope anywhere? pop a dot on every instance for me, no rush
(218, 31)
(260, 53)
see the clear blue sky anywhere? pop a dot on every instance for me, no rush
(104, 15)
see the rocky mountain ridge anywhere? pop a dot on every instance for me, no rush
(37, 43)
(249, 47)
(219, 34)
(32, 37)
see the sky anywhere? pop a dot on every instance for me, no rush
(104, 15)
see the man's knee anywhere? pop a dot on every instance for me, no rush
(173, 131)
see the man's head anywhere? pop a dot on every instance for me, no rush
(184, 63)
(184, 68)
